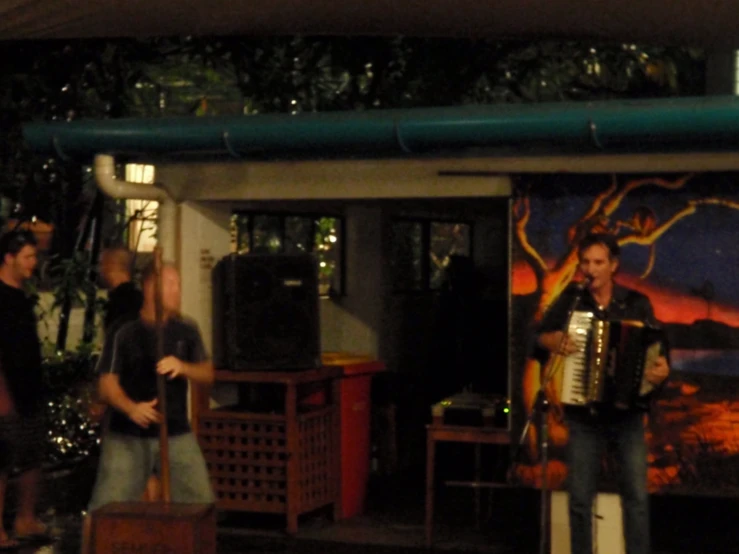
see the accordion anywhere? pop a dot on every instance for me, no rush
(610, 364)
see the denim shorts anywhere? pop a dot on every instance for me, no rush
(127, 462)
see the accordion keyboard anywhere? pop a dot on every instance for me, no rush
(575, 371)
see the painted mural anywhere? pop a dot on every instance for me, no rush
(680, 245)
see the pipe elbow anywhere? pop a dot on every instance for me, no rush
(104, 172)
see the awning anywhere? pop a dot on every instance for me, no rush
(659, 125)
(707, 23)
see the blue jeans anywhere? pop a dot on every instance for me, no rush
(588, 438)
(127, 462)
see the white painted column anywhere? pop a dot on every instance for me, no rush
(204, 239)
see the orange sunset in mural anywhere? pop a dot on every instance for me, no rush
(670, 306)
(677, 234)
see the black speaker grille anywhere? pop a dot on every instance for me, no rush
(266, 313)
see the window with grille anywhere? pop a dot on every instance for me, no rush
(141, 215)
(421, 251)
(319, 234)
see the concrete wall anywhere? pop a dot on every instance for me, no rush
(203, 240)
(353, 321)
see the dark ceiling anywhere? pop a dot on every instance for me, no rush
(699, 23)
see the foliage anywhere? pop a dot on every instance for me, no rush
(296, 74)
(68, 385)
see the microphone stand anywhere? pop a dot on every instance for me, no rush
(541, 408)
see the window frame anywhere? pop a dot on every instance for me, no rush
(426, 224)
(312, 216)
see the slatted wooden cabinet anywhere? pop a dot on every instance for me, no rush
(282, 462)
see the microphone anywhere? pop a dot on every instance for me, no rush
(585, 284)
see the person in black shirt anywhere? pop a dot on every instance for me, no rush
(593, 427)
(130, 447)
(22, 425)
(124, 297)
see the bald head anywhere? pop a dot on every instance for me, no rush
(115, 266)
(118, 256)
(171, 293)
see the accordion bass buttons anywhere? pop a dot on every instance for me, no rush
(598, 360)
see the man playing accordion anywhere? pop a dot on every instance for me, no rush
(593, 426)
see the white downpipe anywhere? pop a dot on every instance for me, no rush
(104, 171)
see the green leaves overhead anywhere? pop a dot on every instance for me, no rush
(94, 79)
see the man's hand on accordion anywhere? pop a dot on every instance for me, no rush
(559, 343)
(658, 372)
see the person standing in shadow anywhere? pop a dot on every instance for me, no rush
(124, 297)
(22, 420)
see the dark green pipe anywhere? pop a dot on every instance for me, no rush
(689, 121)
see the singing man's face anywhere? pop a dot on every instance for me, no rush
(597, 265)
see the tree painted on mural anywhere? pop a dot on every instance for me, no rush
(640, 227)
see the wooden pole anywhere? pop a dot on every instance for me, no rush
(161, 379)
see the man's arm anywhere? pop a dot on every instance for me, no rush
(198, 368)
(201, 373)
(111, 392)
(550, 334)
(658, 373)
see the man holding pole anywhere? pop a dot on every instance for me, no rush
(158, 345)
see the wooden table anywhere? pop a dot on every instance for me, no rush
(285, 462)
(438, 432)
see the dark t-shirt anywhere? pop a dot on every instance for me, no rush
(124, 304)
(625, 304)
(20, 350)
(132, 356)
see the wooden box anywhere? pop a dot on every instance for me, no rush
(280, 463)
(153, 528)
(608, 534)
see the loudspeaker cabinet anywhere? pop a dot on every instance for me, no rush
(265, 313)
